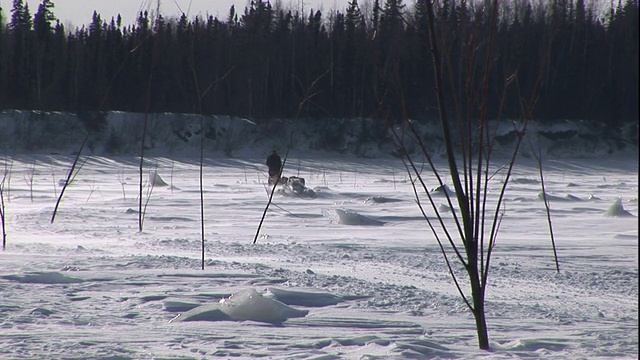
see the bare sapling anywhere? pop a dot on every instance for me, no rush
(393, 177)
(271, 193)
(28, 178)
(8, 171)
(95, 126)
(70, 175)
(142, 204)
(150, 185)
(122, 181)
(93, 188)
(2, 215)
(171, 176)
(201, 184)
(309, 94)
(3, 209)
(200, 95)
(467, 233)
(141, 164)
(538, 157)
(53, 180)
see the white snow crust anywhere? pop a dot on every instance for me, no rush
(351, 273)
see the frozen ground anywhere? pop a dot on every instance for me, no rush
(355, 269)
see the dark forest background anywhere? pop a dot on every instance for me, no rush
(266, 62)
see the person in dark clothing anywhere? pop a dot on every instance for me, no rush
(275, 165)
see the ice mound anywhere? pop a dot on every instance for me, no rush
(617, 210)
(52, 277)
(244, 305)
(156, 180)
(353, 218)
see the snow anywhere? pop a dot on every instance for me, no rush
(247, 304)
(352, 272)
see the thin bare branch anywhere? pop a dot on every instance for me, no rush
(437, 237)
(70, 174)
(308, 96)
(538, 158)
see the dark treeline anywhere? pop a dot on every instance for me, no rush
(370, 60)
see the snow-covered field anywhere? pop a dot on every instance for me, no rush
(355, 271)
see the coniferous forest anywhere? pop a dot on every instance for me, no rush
(370, 59)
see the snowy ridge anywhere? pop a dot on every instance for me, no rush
(119, 133)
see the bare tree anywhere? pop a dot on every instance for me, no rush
(3, 209)
(468, 238)
(71, 174)
(310, 92)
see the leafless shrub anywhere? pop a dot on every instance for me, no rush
(28, 178)
(73, 171)
(3, 209)
(122, 181)
(467, 232)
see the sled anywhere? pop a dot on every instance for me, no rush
(293, 184)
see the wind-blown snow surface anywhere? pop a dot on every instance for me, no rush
(352, 272)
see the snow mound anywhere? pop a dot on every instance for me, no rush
(444, 190)
(244, 305)
(550, 197)
(156, 180)
(353, 218)
(617, 210)
(530, 345)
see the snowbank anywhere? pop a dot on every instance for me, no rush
(245, 305)
(120, 133)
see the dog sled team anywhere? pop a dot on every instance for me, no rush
(274, 163)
